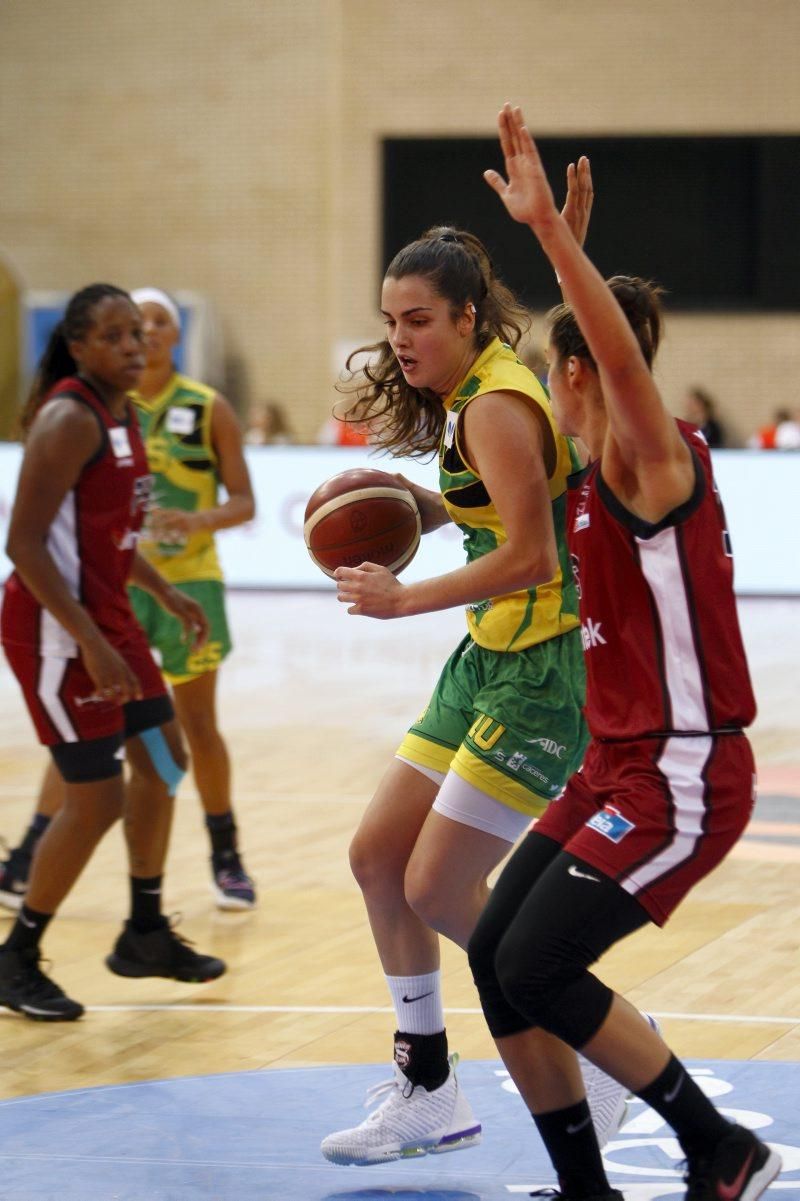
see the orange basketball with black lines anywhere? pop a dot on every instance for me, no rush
(362, 516)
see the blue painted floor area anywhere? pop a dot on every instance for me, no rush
(256, 1135)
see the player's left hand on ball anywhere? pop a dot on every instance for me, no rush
(370, 590)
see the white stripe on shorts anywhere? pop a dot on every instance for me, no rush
(51, 677)
(682, 763)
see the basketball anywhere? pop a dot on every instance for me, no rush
(360, 516)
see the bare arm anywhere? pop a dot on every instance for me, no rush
(508, 455)
(226, 438)
(644, 456)
(63, 439)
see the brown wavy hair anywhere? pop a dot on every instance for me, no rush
(640, 302)
(408, 421)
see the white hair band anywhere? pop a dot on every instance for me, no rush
(156, 296)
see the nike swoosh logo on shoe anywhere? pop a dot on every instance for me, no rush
(421, 997)
(729, 1192)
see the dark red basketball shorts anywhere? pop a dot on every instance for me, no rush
(61, 697)
(656, 814)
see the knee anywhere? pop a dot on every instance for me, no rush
(426, 898)
(372, 865)
(526, 981)
(481, 952)
(200, 728)
(93, 820)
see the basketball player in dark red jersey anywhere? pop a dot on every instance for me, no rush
(666, 786)
(87, 675)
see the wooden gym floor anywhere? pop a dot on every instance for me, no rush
(313, 703)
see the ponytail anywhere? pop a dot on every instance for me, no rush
(409, 421)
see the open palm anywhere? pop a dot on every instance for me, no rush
(527, 194)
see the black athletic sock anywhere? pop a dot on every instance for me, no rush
(28, 929)
(33, 833)
(422, 1058)
(571, 1142)
(146, 912)
(684, 1105)
(222, 832)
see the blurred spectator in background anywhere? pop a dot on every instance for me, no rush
(339, 431)
(701, 409)
(268, 425)
(764, 438)
(787, 434)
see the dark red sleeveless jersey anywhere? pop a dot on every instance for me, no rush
(92, 538)
(661, 637)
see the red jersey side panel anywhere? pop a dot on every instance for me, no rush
(92, 538)
(661, 637)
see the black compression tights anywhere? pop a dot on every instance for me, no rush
(540, 931)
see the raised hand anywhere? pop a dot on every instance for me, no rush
(526, 193)
(580, 197)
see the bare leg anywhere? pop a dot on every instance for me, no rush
(446, 879)
(51, 791)
(148, 806)
(379, 855)
(195, 705)
(65, 848)
(627, 1047)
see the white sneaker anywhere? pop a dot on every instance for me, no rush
(608, 1099)
(411, 1121)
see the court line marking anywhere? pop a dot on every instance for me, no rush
(756, 1019)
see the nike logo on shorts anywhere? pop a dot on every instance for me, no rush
(576, 871)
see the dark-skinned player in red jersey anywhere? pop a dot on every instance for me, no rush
(86, 673)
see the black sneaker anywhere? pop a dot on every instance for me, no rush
(25, 989)
(233, 888)
(161, 952)
(14, 874)
(740, 1168)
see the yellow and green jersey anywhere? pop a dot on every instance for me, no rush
(176, 427)
(519, 619)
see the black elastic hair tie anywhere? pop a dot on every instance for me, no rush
(450, 238)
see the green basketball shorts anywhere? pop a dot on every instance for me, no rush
(179, 662)
(509, 723)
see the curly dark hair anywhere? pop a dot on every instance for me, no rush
(408, 421)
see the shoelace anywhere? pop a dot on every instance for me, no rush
(384, 1089)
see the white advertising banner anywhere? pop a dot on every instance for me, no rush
(760, 491)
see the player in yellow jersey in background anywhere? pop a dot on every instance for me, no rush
(194, 444)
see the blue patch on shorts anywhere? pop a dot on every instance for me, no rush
(610, 824)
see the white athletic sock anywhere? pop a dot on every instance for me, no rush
(418, 1003)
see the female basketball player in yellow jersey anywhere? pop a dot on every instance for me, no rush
(193, 443)
(503, 729)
